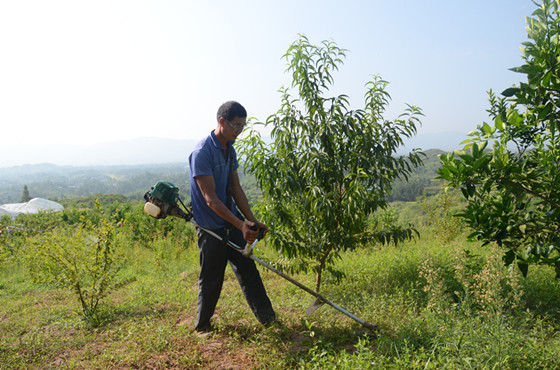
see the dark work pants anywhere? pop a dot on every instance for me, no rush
(214, 255)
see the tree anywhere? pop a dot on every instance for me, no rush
(25, 196)
(513, 189)
(328, 167)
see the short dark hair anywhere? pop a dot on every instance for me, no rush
(231, 109)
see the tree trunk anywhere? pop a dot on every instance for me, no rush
(322, 263)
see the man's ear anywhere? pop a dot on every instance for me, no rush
(222, 121)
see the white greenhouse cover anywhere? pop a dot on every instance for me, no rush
(33, 206)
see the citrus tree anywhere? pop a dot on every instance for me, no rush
(328, 166)
(509, 171)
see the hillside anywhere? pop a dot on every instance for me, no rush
(64, 182)
(423, 180)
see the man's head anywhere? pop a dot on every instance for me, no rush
(232, 118)
(231, 109)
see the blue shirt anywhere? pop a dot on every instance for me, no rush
(209, 158)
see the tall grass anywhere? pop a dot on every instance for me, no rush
(445, 306)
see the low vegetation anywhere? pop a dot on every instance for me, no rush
(439, 302)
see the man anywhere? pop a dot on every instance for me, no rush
(214, 183)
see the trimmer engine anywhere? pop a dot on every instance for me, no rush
(162, 201)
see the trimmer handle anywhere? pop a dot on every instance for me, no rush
(255, 227)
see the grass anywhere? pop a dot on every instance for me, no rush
(436, 306)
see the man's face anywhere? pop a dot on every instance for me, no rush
(234, 127)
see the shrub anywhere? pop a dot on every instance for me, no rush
(84, 258)
(440, 210)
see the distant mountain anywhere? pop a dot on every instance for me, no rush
(146, 150)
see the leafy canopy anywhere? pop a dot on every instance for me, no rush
(513, 189)
(328, 166)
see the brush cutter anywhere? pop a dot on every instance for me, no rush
(163, 200)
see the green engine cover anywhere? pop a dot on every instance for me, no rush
(165, 192)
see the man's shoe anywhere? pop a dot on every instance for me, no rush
(204, 331)
(271, 323)
(203, 328)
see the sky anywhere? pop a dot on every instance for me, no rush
(84, 72)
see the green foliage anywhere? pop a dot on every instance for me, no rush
(440, 210)
(34, 224)
(84, 258)
(422, 180)
(329, 167)
(144, 230)
(439, 307)
(408, 191)
(514, 196)
(88, 201)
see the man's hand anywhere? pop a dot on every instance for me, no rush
(264, 229)
(249, 234)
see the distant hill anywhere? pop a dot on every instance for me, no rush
(150, 150)
(446, 141)
(64, 182)
(57, 182)
(431, 163)
(421, 181)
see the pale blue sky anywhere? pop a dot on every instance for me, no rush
(83, 72)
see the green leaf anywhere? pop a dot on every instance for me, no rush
(544, 111)
(471, 189)
(479, 162)
(486, 128)
(482, 145)
(465, 157)
(546, 79)
(509, 92)
(514, 118)
(473, 133)
(499, 123)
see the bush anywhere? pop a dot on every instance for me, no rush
(440, 210)
(83, 258)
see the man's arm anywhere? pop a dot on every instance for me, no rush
(208, 189)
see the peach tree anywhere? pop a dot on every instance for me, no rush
(328, 167)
